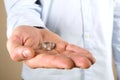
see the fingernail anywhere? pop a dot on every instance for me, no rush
(26, 53)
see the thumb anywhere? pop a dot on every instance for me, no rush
(17, 51)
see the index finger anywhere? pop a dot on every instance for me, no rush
(46, 60)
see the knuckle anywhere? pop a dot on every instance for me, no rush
(90, 57)
(69, 66)
(86, 66)
(85, 63)
(14, 57)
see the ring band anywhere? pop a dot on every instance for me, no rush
(48, 45)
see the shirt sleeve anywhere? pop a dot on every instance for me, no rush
(116, 37)
(23, 12)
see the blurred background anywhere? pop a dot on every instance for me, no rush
(9, 70)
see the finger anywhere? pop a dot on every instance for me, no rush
(17, 51)
(79, 60)
(61, 46)
(81, 51)
(50, 61)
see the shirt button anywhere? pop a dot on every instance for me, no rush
(87, 35)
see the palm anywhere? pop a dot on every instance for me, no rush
(63, 56)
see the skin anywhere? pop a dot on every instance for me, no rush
(24, 45)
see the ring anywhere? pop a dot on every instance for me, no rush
(48, 45)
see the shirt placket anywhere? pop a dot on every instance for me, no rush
(87, 27)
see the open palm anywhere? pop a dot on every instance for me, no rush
(24, 45)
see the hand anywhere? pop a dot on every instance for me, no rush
(24, 45)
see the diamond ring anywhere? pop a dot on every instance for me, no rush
(48, 45)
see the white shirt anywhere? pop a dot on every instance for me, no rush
(93, 25)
